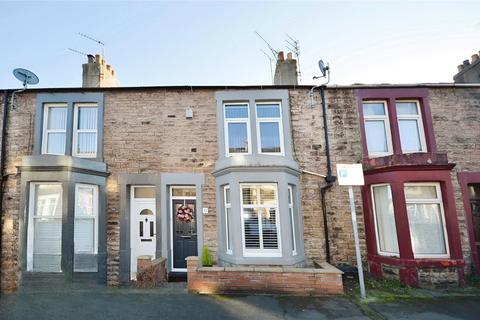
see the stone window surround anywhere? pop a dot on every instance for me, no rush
(70, 99)
(464, 179)
(284, 178)
(406, 260)
(255, 158)
(69, 172)
(390, 96)
(162, 183)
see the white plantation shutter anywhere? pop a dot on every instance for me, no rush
(86, 228)
(260, 219)
(47, 227)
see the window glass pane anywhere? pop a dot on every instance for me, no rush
(87, 118)
(251, 229)
(474, 191)
(249, 195)
(292, 233)
(183, 192)
(84, 235)
(269, 227)
(385, 218)
(270, 136)
(144, 192)
(85, 198)
(267, 195)
(48, 202)
(57, 118)
(228, 213)
(420, 192)
(409, 135)
(426, 228)
(237, 138)
(237, 111)
(87, 143)
(406, 108)
(227, 195)
(373, 109)
(376, 136)
(56, 143)
(268, 111)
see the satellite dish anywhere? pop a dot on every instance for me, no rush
(323, 68)
(25, 76)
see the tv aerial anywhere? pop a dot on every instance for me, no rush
(26, 77)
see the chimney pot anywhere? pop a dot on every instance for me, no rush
(281, 56)
(466, 62)
(460, 67)
(108, 67)
(474, 58)
(97, 58)
(289, 56)
(91, 58)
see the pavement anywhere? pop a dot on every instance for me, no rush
(173, 302)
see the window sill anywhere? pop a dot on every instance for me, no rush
(406, 159)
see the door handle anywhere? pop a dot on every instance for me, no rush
(186, 237)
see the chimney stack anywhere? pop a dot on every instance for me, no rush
(469, 70)
(97, 73)
(286, 70)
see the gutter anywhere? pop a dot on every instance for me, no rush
(6, 96)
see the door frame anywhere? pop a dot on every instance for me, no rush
(170, 213)
(135, 201)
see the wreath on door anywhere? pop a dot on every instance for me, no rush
(185, 214)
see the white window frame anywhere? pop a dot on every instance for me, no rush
(269, 120)
(46, 131)
(86, 217)
(261, 252)
(438, 200)
(76, 131)
(227, 121)
(418, 118)
(227, 205)
(388, 133)
(31, 218)
(380, 252)
(291, 212)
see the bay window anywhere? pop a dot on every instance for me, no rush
(269, 128)
(237, 128)
(85, 130)
(410, 126)
(377, 129)
(86, 228)
(387, 243)
(426, 219)
(260, 224)
(55, 129)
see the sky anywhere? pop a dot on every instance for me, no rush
(214, 43)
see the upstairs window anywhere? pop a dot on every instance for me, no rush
(269, 128)
(237, 128)
(85, 130)
(412, 135)
(260, 223)
(55, 129)
(377, 128)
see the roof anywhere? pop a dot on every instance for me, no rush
(258, 87)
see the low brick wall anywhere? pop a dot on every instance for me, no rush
(326, 280)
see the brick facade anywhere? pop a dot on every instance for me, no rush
(145, 131)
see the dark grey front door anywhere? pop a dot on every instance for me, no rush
(184, 231)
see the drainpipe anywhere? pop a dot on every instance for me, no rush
(329, 179)
(2, 160)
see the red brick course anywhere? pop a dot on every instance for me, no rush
(267, 280)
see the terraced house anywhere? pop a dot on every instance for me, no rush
(97, 178)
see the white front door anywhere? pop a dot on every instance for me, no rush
(142, 225)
